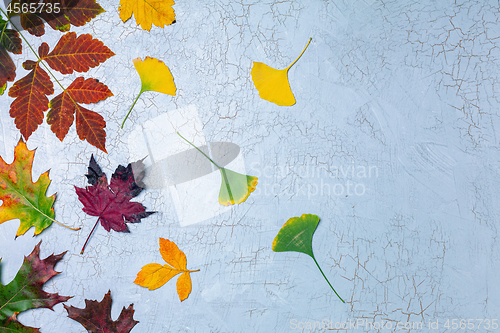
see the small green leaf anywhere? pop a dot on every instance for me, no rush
(235, 187)
(296, 236)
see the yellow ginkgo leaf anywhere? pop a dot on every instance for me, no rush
(148, 12)
(272, 84)
(155, 76)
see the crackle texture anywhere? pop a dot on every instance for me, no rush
(392, 143)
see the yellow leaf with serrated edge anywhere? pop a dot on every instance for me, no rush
(272, 84)
(148, 12)
(153, 276)
(155, 76)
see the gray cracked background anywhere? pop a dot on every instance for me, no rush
(398, 98)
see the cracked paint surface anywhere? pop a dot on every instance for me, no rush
(392, 143)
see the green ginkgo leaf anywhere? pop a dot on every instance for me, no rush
(296, 236)
(235, 187)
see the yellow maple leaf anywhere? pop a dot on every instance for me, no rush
(272, 84)
(148, 12)
(155, 76)
(153, 276)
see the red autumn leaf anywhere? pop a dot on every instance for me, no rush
(59, 14)
(25, 291)
(111, 203)
(31, 98)
(11, 42)
(89, 124)
(79, 54)
(96, 316)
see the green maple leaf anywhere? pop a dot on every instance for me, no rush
(25, 291)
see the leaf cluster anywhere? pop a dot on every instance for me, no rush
(71, 54)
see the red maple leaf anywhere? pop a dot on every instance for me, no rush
(96, 316)
(89, 124)
(111, 203)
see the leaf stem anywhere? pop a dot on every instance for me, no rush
(293, 63)
(327, 280)
(40, 60)
(199, 151)
(63, 225)
(95, 226)
(123, 123)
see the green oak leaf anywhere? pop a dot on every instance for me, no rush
(296, 236)
(25, 291)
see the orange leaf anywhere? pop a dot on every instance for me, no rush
(148, 12)
(153, 276)
(89, 124)
(31, 98)
(79, 54)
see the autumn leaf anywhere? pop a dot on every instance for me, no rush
(23, 199)
(235, 187)
(155, 76)
(272, 84)
(71, 54)
(31, 100)
(111, 203)
(153, 276)
(89, 124)
(296, 235)
(78, 54)
(59, 14)
(25, 291)
(9, 42)
(148, 12)
(96, 316)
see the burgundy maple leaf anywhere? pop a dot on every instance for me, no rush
(96, 317)
(111, 203)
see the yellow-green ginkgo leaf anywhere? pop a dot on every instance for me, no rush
(148, 12)
(272, 84)
(155, 76)
(235, 187)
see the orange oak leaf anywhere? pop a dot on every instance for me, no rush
(30, 95)
(89, 124)
(78, 54)
(153, 276)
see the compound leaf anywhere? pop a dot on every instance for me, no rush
(96, 316)
(296, 235)
(9, 42)
(25, 291)
(30, 95)
(148, 12)
(89, 124)
(78, 54)
(153, 276)
(272, 84)
(23, 199)
(111, 203)
(59, 14)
